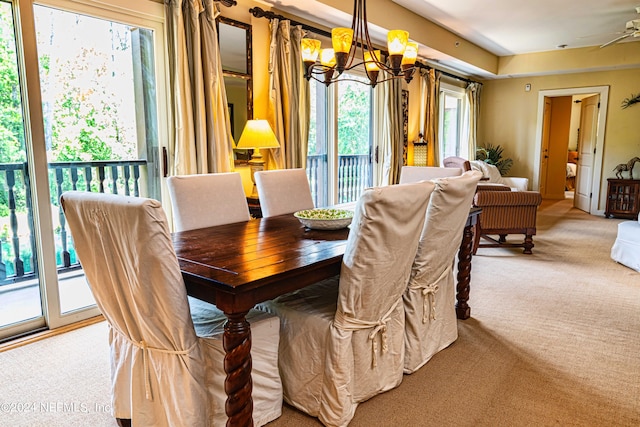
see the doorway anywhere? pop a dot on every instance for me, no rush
(590, 167)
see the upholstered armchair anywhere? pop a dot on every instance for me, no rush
(626, 248)
(457, 162)
(503, 213)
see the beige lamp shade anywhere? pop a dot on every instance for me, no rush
(257, 134)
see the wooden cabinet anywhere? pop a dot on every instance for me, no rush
(623, 198)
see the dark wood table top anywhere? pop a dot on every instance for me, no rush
(258, 259)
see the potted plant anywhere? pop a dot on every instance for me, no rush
(493, 155)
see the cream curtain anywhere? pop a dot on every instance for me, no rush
(429, 100)
(289, 106)
(390, 132)
(202, 141)
(473, 91)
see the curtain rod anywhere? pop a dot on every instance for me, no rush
(261, 13)
(453, 76)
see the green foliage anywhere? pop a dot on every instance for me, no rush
(354, 106)
(628, 102)
(11, 125)
(493, 155)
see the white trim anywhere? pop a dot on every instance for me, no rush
(141, 12)
(596, 184)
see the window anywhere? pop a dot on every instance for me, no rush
(92, 125)
(454, 123)
(340, 140)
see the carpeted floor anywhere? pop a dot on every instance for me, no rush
(554, 340)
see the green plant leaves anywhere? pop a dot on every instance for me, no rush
(493, 155)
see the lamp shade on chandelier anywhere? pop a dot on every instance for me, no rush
(347, 42)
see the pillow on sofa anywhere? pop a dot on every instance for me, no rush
(493, 175)
(488, 171)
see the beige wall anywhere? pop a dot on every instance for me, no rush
(508, 117)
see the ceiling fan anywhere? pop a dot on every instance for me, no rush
(632, 29)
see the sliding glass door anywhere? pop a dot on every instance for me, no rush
(339, 161)
(93, 126)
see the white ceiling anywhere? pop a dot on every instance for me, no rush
(503, 27)
(508, 27)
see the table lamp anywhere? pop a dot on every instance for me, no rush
(257, 134)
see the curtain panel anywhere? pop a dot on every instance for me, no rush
(389, 132)
(289, 105)
(473, 92)
(429, 104)
(202, 141)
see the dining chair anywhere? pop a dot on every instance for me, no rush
(283, 191)
(342, 339)
(207, 200)
(429, 300)
(418, 173)
(167, 355)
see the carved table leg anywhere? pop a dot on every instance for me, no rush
(463, 311)
(237, 364)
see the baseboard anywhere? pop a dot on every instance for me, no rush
(28, 339)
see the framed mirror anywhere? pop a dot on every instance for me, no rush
(234, 38)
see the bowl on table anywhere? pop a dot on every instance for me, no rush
(324, 219)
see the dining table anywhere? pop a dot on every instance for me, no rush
(236, 266)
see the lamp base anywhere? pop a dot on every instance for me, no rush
(256, 164)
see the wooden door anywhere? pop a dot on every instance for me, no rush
(586, 146)
(546, 124)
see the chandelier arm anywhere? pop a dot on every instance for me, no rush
(383, 66)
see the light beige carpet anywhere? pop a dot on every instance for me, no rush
(554, 340)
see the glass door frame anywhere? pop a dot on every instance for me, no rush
(148, 14)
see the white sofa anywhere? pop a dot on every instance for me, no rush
(626, 248)
(418, 173)
(493, 174)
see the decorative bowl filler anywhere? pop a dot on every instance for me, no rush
(324, 219)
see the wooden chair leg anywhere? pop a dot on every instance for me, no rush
(528, 244)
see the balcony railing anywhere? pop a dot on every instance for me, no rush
(354, 175)
(17, 245)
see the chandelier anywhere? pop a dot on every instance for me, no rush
(322, 64)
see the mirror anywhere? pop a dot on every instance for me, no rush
(234, 38)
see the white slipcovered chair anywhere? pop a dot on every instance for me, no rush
(429, 301)
(166, 358)
(283, 191)
(418, 173)
(342, 340)
(207, 200)
(492, 176)
(626, 248)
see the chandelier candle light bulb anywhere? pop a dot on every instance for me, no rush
(371, 60)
